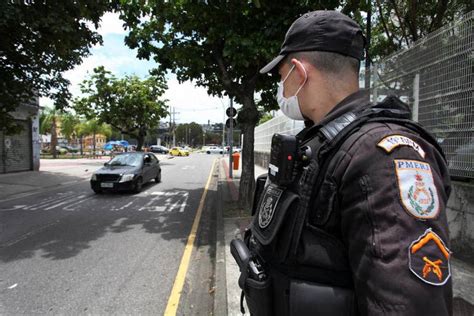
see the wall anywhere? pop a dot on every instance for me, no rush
(461, 220)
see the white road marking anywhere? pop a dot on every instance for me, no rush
(70, 206)
(15, 207)
(64, 202)
(13, 286)
(189, 167)
(174, 201)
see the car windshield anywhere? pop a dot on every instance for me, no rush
(126, 160)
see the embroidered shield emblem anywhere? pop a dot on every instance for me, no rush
(418, 192)
(428, 259)
(268, 205)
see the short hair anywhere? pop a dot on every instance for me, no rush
(329, 62)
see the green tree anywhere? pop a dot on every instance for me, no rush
(39, 41)
(94, 127)
(69, 123)
(221, 45)
(399, 23)
(130, 105)
(189, 133)
(48, 124)
(265, 117)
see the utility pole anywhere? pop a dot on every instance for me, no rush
(173, 124)
(231, 134)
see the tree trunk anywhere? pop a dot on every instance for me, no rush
(140, 139)
(93, 144)
(369, 38)
(54, 137)
(248, 117)
(82, 151)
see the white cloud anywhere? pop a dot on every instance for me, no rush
(111, 24)
(194, 104)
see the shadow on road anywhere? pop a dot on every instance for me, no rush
(77, 222)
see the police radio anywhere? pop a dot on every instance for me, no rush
(282, 159)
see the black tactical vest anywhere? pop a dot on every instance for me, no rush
(289, 233)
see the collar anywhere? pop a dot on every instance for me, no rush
(352, 102)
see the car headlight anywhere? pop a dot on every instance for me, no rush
(127, 177)
(94, 177)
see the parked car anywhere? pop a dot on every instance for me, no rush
(159, 149)
(214, 150)
(178, 151)
(127, 172)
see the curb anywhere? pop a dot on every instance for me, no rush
(220, 299)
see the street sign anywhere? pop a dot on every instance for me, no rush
(231, 112)
(227, 123)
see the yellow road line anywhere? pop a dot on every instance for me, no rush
(173, 300)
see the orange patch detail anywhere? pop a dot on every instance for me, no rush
(430, 236)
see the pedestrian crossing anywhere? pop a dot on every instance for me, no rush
(170, 201)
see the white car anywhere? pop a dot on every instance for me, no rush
(214, 150)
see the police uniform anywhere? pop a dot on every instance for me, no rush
(361, 229)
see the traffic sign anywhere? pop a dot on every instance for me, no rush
(227, 123)
(231, 112)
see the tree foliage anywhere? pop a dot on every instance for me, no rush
(220, 45)
(39, 41)
(48, 123)
(130, 105)
(399, 23)
(190, 134)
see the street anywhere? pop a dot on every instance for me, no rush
(69, 251)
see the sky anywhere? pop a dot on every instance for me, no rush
(191, 103)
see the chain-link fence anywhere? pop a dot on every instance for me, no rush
(435, 77)
(280, 124)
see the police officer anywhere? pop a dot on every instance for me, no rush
(360, 228)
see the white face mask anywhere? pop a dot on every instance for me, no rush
(290, 106)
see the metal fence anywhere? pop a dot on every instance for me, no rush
(280, 124)
(435, 77)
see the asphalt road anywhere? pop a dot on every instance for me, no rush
(69, 251)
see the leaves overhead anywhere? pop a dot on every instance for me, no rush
(39, 41)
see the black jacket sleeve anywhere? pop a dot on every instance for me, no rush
(394, 224)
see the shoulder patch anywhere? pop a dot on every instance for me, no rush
(389, 143)
(428, 259)
(416, 187)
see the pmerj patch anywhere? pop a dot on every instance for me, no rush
(268, 205)
(389, 143)
(429, 259)
(417, 189)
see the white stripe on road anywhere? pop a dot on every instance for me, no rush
(64, 202)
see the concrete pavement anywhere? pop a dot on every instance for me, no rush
(53, 173)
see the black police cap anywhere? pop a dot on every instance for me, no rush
(329, 31)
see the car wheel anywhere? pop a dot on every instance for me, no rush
(138, 185)
(220, 152)
(208, 152)
(97, 191)
(158, 177)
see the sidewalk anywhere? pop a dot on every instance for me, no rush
(53, 173)
(232, 222)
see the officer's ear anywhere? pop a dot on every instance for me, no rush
(301, 70)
